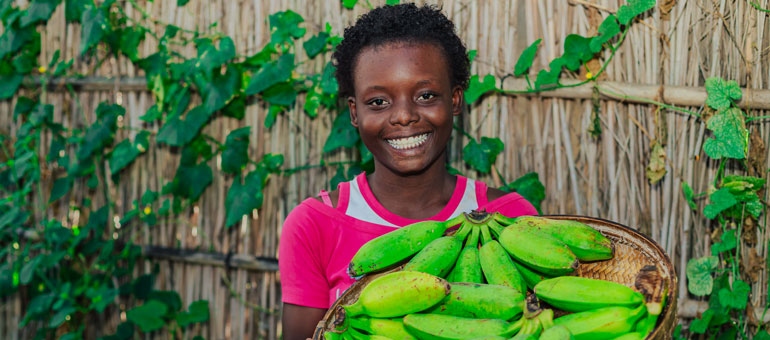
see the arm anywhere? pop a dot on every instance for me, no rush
(299, 322)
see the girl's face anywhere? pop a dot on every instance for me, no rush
(404, 105)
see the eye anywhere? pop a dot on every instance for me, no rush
(377, 102)
(426, 96)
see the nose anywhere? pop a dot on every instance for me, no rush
(404, 114)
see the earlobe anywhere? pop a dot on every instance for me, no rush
(457, 101)
(353, 113)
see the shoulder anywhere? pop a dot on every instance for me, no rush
(494, 193)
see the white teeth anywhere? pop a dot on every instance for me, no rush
(408, 142)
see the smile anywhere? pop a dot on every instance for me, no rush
(408, 142)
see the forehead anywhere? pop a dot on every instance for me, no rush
(413, 58)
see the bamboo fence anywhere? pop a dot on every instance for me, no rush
(667, 56)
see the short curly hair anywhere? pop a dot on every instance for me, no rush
(400, 23)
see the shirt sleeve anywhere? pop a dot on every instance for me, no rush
(511, 205)
(303, 279)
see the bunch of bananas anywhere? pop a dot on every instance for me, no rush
(473, 284)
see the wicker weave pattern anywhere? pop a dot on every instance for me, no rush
(632, 252)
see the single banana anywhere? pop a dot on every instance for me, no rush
(437, 258)
(481, 301)
(522, 336)
(546, 318)
(361, 336)
(391, 248)
(578, 294)
(631, 336)
(602, 323)
(399, 293)
(448, 327)
(467, 267)
(531, 277)
(587, 243)
(490, 337)
(556, 333)
(498, 268)
(332, 336)
(539, 251)
(646, 324)
(391, 328)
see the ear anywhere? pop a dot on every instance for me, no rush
(458, 99)
(353, 113)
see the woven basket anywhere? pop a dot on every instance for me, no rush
(632, 252)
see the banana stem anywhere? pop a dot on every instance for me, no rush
(496, 228)
(462, 233)
(455, 221)
(485, 236)
(473, 241)
(502, 219)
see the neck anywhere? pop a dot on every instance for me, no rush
(414, 196)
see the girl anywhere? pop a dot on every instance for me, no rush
(402, 70)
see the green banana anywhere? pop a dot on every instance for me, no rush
(361, 336)
(332, 336)
(631, 336)
(531, 277)
(463, 231)
(437, 258)
(399, 293)
(481, 301)
(577, 294)
(490, 337)
(539, 251)
(467, 267)
(602, 323)
(556, 333)
(647, 324)
(394, 247)
(448, 327)
(485, 235)
(391, 328)
(498, 268)
(522, 336)
(587, 243)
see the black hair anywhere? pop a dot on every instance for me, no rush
(401, 23)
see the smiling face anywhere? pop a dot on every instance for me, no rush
(404, 104)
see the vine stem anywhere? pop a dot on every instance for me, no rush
(756, 5)
(748, 119)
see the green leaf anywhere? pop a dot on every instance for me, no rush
(169, 298)
(315, 44)
(236, 153)
(100, 133)
(551, 76)
(271, 73)
(349, 4)
(272, 114)
(477, 88)
(720, 200)
(472, 55)
(525, 59)
(130, 38)
(312, 102)
(149, 316)
(700, 325)
(9, 85)
(721, 93)
(221, 89)
(74, 9)
(634, 8)
(762, 334)
(180, 3)
(338, 177)
(577, 50)
(342, 134)
(282, 94)
(731, 140)
(28, 269)
(737, 297)
(688, 195)
(59, 318)
(243, 197)
(392, 2)
(15, 38)
(191, 181)
(126, 152)
(482, 155)
(197, 312)
(60, 188)
(210, 58)
(729, 242)
(95, 25)
(236, 108)
(142, 286)
(607, 30)
(178, 132)
(272, 162)
(39, 10)
(328, 81)
(699, 280)
(101, 297)
(284, 26)
(529, 187)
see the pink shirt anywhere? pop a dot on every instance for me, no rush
(318, 241)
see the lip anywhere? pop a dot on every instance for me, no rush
(407, 136)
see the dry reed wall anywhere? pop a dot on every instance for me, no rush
(679, 43)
